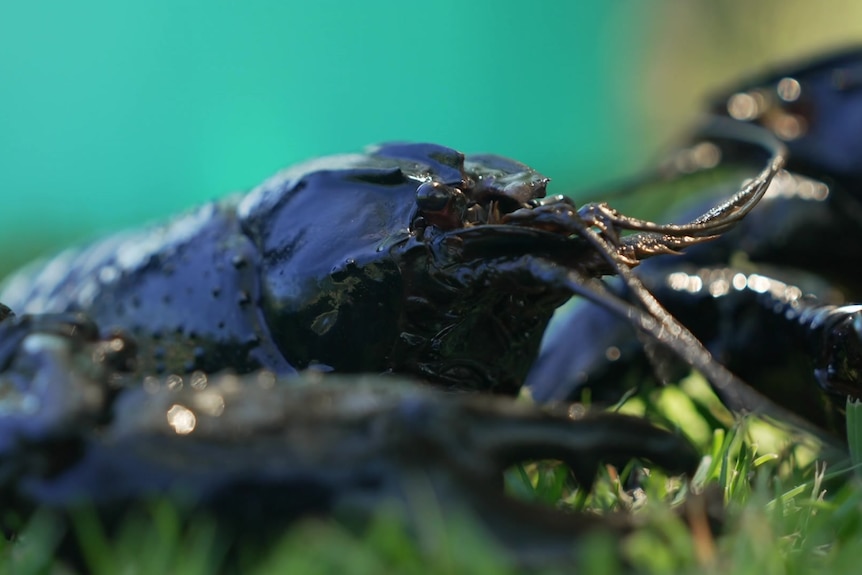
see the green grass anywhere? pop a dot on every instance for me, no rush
(781, 508)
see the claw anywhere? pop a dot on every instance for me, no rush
(583, 444)
(649, 317)
(339, 445)
(559, 215)
(638, 247)
(709, 225)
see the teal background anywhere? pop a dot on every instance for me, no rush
(114, 113)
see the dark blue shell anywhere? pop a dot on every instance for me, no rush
(816, 107)
(304, 270)
(807, 231)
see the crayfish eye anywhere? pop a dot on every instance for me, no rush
(441, 205)
(433, 197)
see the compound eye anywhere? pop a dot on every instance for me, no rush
(433, 197)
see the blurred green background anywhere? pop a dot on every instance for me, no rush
(115, 113)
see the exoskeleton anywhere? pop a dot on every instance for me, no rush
(773, 299)
(411, 259)
(257, 452)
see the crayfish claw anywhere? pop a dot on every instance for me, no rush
(644, 245)
(583, 443)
